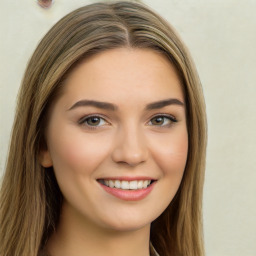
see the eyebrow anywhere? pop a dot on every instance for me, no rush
(164, 103)
(112, 107)
(94, 103)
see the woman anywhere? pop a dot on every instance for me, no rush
(108, 144)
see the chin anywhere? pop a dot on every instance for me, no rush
(128, 223)
(127, 227)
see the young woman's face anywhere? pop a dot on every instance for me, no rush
(119, 125)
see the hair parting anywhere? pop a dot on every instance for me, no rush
(30, 199)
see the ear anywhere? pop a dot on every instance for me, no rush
(45, 158)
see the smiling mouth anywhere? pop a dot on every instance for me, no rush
(126, 185)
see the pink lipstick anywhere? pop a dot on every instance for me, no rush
(128, 188)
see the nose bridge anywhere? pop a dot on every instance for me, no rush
(130, 146)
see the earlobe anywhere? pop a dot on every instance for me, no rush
(45, 159)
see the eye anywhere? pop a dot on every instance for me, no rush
(93, 121)
(162, 120)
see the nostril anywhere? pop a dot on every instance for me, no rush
(129, 156)
(130, 149)
(131, 162)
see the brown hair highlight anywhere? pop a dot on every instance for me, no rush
(30, 198)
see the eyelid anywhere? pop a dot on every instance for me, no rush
(172, 118)
(84, 118)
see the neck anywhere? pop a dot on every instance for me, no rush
(78, 236)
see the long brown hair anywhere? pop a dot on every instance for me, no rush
(30, 199)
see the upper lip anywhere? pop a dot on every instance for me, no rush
(127, 178)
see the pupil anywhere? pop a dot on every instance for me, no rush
(158, 120)
(94, 120)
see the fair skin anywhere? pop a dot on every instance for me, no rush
(140, 134)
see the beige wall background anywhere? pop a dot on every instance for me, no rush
(221, 35)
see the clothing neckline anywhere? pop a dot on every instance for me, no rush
(153, 251)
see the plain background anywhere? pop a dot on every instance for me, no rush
(221, 35)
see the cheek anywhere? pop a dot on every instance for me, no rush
(74, 153)
(170, 154)
(76, 157)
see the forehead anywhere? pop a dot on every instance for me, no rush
(122, 74)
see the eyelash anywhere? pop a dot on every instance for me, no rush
(83, 121)
(170, 118)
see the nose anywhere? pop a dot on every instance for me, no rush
(130, 148)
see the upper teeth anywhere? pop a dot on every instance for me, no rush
(135, 184)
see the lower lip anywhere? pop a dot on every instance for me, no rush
(129, 195)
